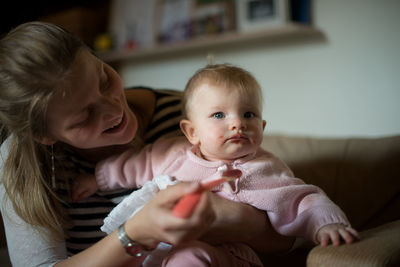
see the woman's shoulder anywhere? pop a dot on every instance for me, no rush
(174, 144)
(166, 111)
(151, 98)
(142, 101)
(4, 150)
(158, 92)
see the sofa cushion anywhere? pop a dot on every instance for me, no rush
(379, 247)
(361, 175)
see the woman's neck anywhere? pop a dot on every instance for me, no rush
(95, 155)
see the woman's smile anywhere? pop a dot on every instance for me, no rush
(118, 125)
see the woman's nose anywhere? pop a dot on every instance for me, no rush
(108, 116)
(110, 110)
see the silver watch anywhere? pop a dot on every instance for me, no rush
(131, 247)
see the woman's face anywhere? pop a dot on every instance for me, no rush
(91, 111)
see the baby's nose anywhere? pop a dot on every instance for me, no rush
(237, 123)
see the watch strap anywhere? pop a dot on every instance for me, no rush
(131, 247)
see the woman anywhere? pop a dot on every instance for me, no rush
(64, 110)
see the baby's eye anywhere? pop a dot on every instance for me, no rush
(218, 115)
(249, 114)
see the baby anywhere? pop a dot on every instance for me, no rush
(224, 128)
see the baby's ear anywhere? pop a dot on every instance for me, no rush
(188, 129)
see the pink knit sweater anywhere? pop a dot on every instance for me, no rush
(294, 208)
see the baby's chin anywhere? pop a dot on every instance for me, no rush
(231, 158)
(227, 155)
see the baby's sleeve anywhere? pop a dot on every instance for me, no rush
(302, 209)
(131, 169)
(293, 207)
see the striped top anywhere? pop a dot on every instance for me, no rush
(87, 215)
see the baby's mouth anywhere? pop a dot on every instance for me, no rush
(237, 137)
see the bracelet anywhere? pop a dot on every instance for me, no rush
(131, 247)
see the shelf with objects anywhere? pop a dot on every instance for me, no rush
(224, 30)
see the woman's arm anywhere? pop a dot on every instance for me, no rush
(152, 224)
(27, 246)
(238, 222)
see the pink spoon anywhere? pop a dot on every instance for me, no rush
(185, 206)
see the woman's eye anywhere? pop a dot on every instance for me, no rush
(249, 114)
(83, 120)
(218, 115)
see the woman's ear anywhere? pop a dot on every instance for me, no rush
(47, 141)
(188, 129)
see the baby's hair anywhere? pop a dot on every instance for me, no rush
(35, 60)
(224, 75)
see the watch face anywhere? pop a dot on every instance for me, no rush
(134, 250)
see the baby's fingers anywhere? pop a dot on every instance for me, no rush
(335, 238)
(349, 235)
(324, 239)
(353, 232)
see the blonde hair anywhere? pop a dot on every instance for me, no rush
(225, 75)
(35, 57)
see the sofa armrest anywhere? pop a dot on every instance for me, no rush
(378, 246)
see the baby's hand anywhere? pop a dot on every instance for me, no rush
(335, 234)
(84, 186)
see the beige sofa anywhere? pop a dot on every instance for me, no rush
(363, 177)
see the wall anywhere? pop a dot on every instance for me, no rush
(345, 85)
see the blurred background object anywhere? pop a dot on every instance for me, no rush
(329, 68)
(85, 18)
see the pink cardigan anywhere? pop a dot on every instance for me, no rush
(294, 208)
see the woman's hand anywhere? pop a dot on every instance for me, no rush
(155, 221)
(238, 222)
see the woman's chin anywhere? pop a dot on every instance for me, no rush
(126, 138)
(126, 131)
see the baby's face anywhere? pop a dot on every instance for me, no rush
(228, 123)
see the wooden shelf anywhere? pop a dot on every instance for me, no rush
(213, 41)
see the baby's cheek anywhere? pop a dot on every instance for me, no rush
(214, 134)
(257, 136)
